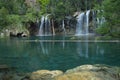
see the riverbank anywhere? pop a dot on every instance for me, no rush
(84, 72)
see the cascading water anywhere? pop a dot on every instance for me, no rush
(63, 26)
(87, 22)
(41, 26)
(49, 24)
(82, 27)
(100, 20)
(45, 27)
(79, 26)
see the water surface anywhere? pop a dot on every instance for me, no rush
(61, 53)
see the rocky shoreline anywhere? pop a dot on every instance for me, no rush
(84, 72)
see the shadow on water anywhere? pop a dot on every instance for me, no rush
(58, 53)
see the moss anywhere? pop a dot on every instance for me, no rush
(104, 38)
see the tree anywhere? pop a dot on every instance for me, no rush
(11, 11)
(3, 17)
(111, 13)
(44, 8)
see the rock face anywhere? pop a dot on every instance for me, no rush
(14, 32)
(20, 34)
(84, 72)
(91, 72)
(45, 75)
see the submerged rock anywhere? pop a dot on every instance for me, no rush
(4, 67)
(13, 76)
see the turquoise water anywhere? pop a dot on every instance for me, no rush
(61, 53)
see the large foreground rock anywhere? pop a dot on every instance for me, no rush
(91, 72)
(84, 72)
(45, 75)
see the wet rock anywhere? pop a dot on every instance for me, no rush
(20, 34)
(24, 35)
(19, 77)
(86, 68)
(84, 72)
(26, 78)
(13, 76)
(4, 67)
(45, 74)
(91, 72)
(6, 76)
(76, 14)
(12, 34)
(1, 34)
(85, 75)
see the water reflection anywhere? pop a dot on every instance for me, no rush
(63, 42)
(99, 50)
(46, 47)
(61, 54)
(82, 49)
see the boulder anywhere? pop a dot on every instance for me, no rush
(45, 74)
(19, 34)
(84, 72)
(91, 72)
(85, 75)
(24, 35)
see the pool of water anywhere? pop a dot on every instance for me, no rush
(61, 53)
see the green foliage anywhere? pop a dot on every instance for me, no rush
(3, 17)
(44, 6)
(59, 9)
(103, 30)
(14, 18)
(31, 15)
(111, 8)
(111, 12)
(10, 12)
(13, 6)
(103, 38)
(14, 12)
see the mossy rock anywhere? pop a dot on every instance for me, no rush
(103, 38)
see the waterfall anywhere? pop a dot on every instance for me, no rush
(45, 26)
(79, 26)
(87, 22)
(63, 26)
(41, 26)
(82, 27)
(100, 20)
(49, 24)
(84, 20)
